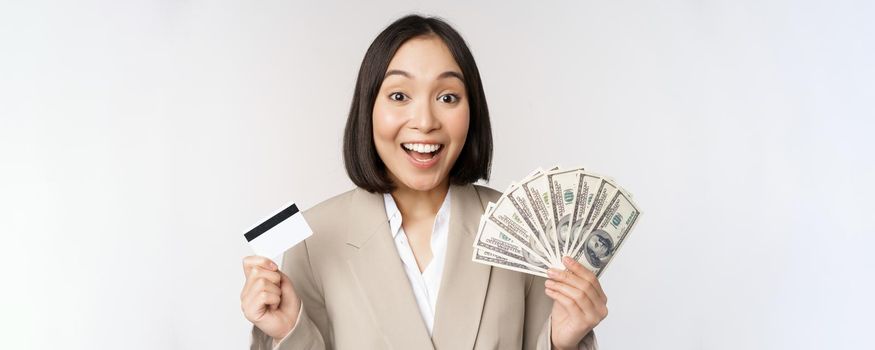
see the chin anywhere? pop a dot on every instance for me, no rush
(421, 183)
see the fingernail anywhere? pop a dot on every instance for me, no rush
(566, 260)
(549, 283)
(552, 273)
(273, 265)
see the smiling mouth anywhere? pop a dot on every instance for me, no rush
(422, 152)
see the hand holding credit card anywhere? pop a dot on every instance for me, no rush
(278, 233)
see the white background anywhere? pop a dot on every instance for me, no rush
(139, 139)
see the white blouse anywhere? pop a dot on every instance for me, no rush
(426, 285)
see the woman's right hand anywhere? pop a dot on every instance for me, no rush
(268, 299)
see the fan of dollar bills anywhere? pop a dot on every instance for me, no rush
(555, 213)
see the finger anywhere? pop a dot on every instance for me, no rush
(592, 314)
(263, 285)
(256, 303)
(587, 275)
(259, 273)
(568, 277)
(574, 266)
(593, 306)
(268, 300)
(254, 260)
(256, 274)
(579, 297)
(256, 285)
(569, 305)
(578, 269)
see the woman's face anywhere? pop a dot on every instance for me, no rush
(421, 114)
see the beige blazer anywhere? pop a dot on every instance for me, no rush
(356, 295)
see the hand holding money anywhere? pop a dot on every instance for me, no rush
(566, 225)
(555, 213)
(579, 304)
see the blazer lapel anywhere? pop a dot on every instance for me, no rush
(380, 275)
(464, 283)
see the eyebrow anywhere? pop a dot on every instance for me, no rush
(447, 74)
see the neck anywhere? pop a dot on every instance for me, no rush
(415, 204)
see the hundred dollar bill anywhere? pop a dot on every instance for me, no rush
(602, 242)
(489, 258)
(507, 215)
(585, 196)
(605, 191)
(562, 185)
(491, 238)
(537, 189)
(555, 213)
(519, 200)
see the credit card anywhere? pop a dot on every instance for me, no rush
(278, 233)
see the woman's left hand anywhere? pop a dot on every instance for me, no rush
(579, 303)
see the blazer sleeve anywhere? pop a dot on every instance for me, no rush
(537, 327)
(312, 329)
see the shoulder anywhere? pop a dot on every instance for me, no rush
(487, 194)
(327, 210)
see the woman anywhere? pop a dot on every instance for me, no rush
(389, 263)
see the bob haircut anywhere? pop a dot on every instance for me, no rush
(363, 164)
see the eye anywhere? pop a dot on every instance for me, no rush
(449, 98)
(397, 96)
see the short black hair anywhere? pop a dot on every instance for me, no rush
(363, 164)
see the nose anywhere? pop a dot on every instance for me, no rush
(424, 118)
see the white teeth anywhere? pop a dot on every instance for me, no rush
(421, 147)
